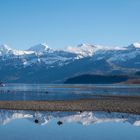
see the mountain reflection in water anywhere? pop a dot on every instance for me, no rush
(84, 118)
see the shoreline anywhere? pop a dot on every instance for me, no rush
(124, 104)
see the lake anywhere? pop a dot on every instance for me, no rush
(42, 125)
(63, 91)
(35, 125)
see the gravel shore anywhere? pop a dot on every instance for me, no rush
(123, 104)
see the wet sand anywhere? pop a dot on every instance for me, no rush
(125, 104)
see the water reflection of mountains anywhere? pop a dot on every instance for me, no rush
(84, 118)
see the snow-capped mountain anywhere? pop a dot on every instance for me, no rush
(86, 50)
(5, 50)
(43, 64)
(84, 118)
(40, 48)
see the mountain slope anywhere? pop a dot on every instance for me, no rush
(41, 64)
(97, 79)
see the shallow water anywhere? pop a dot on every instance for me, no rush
(15, 125)
(42, 125)
(63, 92)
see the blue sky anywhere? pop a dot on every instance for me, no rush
(24, 23)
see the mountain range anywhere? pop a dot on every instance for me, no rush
(41, 64)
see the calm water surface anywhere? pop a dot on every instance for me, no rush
(29, 125)
(63, 92)
(42, 125)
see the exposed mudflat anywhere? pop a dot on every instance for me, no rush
(124, 104)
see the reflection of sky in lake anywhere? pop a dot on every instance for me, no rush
(26, 128)
(63, 92)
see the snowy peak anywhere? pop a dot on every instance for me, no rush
(40, 48)
(4, 49)
(136, 45)
(84, 45)
(79, 51)
(133, 46)
(80, 59)
(83, 50)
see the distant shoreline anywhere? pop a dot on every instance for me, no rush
(103, 79)
(124, 104)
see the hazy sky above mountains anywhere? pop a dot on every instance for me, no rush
(60, 23)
